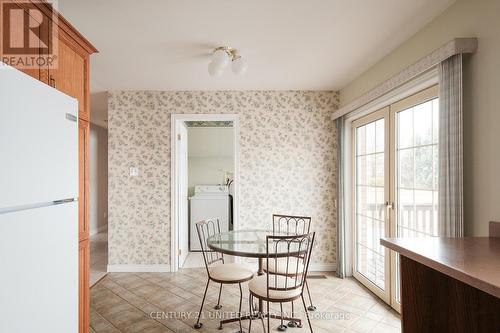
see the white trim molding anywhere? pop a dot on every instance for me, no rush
(156, 268)
(174, 222)
(453, 47)
(320, 267)
(161, 268)
(313, 266)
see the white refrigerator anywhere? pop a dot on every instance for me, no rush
(38, 206)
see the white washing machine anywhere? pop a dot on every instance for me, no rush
(208, 201)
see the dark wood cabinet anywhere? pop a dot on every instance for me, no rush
(448, 285)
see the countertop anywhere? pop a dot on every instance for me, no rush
(472, 260)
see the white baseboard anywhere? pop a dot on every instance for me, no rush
(313, 267)
(319, 267)
(158, 268)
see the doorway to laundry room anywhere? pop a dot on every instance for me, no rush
(204, 181)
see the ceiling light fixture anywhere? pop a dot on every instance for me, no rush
(221, 58)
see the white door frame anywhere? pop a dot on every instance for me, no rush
(174, 201)
(382, 114)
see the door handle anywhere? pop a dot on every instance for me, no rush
(389, 205)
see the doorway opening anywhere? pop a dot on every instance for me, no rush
(98, 214)
(204, 181)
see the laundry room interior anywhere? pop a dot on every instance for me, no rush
(210, 171)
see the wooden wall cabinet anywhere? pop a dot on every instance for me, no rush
(34, 71)
(71, 76)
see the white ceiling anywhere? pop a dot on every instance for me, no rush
(289, 44)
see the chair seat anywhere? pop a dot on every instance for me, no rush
(258, 286)
(295, 266)
(231, 273)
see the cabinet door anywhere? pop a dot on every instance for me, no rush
(46, 34)
(69, 76)
(83, 284)
(19, 16)
(34, 69)
(84, 180)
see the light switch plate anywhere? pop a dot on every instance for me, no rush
(134, 171)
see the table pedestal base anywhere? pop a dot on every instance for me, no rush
(293, 322)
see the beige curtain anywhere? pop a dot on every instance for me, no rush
(451, 215)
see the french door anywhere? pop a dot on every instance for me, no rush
(371, 191)
(395, 192)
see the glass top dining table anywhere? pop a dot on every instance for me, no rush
(252, 244)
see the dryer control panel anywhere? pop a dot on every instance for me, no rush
(211, 189)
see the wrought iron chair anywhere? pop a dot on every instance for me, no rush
(299, 225)
(293, 252)
(222, 273)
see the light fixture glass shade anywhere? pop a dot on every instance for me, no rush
(239, 66)
(221, 58)
(214, 69)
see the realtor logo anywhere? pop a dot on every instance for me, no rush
(28, 31)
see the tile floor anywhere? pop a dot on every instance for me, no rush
(194, 260)
(98, 257)
(168, 302)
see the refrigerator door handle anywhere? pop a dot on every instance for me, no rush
(58, 202)
(8, 210)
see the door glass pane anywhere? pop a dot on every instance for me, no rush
(370, 198)
(360, 140)
(370, 138)
(405, 164)
(423, 123)
(417, 172)
(370, 169)
(424, 166)
(405, 125)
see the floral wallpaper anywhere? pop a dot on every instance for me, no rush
(287, 164)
